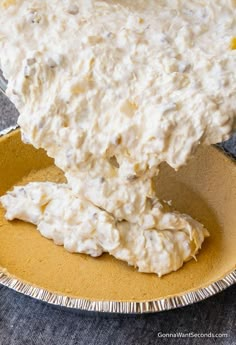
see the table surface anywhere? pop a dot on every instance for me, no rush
(24, 321)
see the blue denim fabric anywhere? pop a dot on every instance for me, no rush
(25, 321)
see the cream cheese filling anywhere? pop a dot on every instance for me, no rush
(84, 228)
(111, 89)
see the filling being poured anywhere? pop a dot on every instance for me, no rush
(111, 89)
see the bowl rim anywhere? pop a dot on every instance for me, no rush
(117, 307)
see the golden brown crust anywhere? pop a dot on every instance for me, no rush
(206, 189)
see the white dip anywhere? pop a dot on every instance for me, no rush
(111, 89)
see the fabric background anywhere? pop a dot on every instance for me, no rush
(25, 321)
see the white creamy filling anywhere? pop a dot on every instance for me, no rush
(111, 89)
(84, 228)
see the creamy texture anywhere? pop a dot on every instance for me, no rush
(84, 228)
(112, 89)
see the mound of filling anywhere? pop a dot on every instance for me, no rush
(111, 89)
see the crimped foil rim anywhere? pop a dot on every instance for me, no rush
(115, 307)
(118, 307)
(9, 130)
